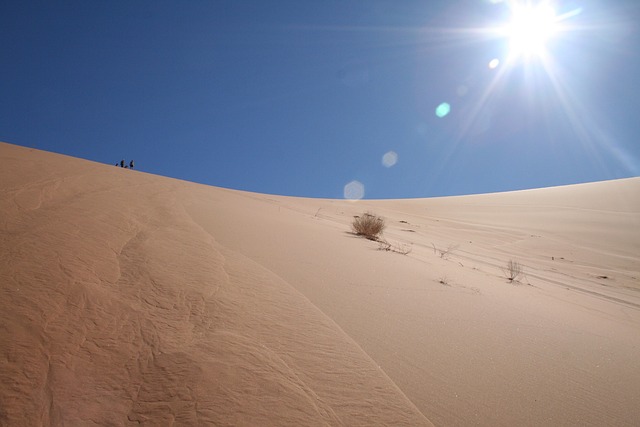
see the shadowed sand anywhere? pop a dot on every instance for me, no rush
(134, 299)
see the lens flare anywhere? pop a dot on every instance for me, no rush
(389, 159)
(354, 190)
(443, 109)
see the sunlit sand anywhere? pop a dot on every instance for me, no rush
(130, 299)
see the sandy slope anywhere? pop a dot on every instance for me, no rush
(131, 298)
(559, 348)
(118, 309)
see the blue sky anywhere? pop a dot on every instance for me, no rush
(304, 97)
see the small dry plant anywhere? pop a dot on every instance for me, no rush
(444, 253)
(444, 281)
(368, 225)
(513, 270)
(401, 248)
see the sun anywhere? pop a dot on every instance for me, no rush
(530, 28)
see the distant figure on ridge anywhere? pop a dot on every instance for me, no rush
(122, 163)
(131, 164)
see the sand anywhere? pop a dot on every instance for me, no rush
(132, 299)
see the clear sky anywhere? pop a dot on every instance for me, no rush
(404, 98)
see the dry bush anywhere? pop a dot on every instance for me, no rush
(383, 245)
(444, 253)
(513, 270)
(368, 225)
(401, 248)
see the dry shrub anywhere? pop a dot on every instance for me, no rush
(401, 248)
(513, 270)
(368, 225)
(444, 253)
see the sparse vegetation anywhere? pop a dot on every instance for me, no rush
(444, 281)
(513, 270)
(401, 248)
(368, 225)
(444, 253)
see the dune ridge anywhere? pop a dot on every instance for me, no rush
(135, 299)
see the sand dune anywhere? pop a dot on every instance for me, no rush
(134, 299)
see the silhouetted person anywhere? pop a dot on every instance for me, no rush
(122, 163)
(131, 164)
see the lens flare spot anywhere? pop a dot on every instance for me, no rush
(389, 159)
(354, 190)
(443, 109)
(493, 64)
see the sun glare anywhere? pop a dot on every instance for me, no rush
(530, 28)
